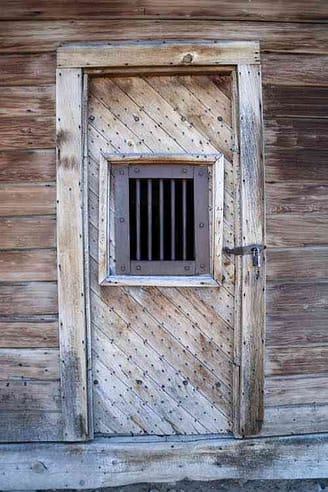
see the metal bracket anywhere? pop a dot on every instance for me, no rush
(251, 249)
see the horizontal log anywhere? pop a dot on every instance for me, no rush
(297, 264)
(293, 329)
(296, 164)
(31, 426)
(300, 70)
(297, 298)
(297, 133)
(291, 101)
(301, 419)
(27, 232)
(113, 462)
(23, 334)
(28, 298)
(36, 364)
(35, 36)
(27, 165)
(306, 359)
(28, 265)
(28, 132)
(27, 69)
(223, 9)
(26, 100)
(297, 198)
(296, 390)
(31, 396)
(27, 199)
(296, 230)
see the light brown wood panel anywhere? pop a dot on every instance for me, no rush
(223, 9)
(308, 359)
(39, 264)
(298, 390)
(27, 232)
(296, 230)
(291, 101)
(27, 132)
(297, 298)
(296, 419)
(27, 69)
(297, 264)
(297, 198)
(24, 334)
(35, 36)
(27, 165)
(304, 165)
(300, 70)
(31, 426)
(27, 199)
(32, 396)
(28, 298)
(296, 133)
(291, 329)
(35, 364)
(26, 100)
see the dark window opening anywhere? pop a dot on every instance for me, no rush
(161, 219)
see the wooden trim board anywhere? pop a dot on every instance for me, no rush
(110, 462)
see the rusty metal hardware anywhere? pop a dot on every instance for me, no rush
(251, 249)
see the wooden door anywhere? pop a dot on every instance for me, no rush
(162, 357)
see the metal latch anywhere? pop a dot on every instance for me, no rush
(251, 249)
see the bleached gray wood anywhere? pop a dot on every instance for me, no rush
(72, 318)
(111, 462)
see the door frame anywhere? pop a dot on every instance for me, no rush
(74, 64)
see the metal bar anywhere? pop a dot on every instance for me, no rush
(150, 204)
(138, 254)
(184, 219)
(161, 220)
(172, 219)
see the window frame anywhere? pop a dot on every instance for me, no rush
(215, 165)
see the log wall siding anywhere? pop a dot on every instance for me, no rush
(294, 54)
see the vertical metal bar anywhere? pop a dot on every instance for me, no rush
(150, 204)
(138, 255)
(161, 220)
(172, 219)
(184, 219)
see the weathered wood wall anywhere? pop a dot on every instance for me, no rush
(294, 51)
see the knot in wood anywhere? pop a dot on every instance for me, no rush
(187, 58)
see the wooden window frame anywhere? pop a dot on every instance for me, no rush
(215, 164)
(74, 64)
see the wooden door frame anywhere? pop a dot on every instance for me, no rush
(74, 63)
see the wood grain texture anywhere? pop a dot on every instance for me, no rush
(308, 359)
(34, 36)
(29, 298)
(297, 264)
(250, 288)
(303, 419)
(36, 396)
(296, 133)
(71, 302)
(297, 298)
(27, 165)
(259, 10)
(292, 101)
(290, 329)
(23, 334)
(296, 230)
(160, 459)
(300, 390)
(31, 69)
(26, 100)
(27, 232)
(26, 199)
(35, 364)
(29, 132)
(31, 426)
(28, 265)
(303, 165)
(297, 198)
(301, 70)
